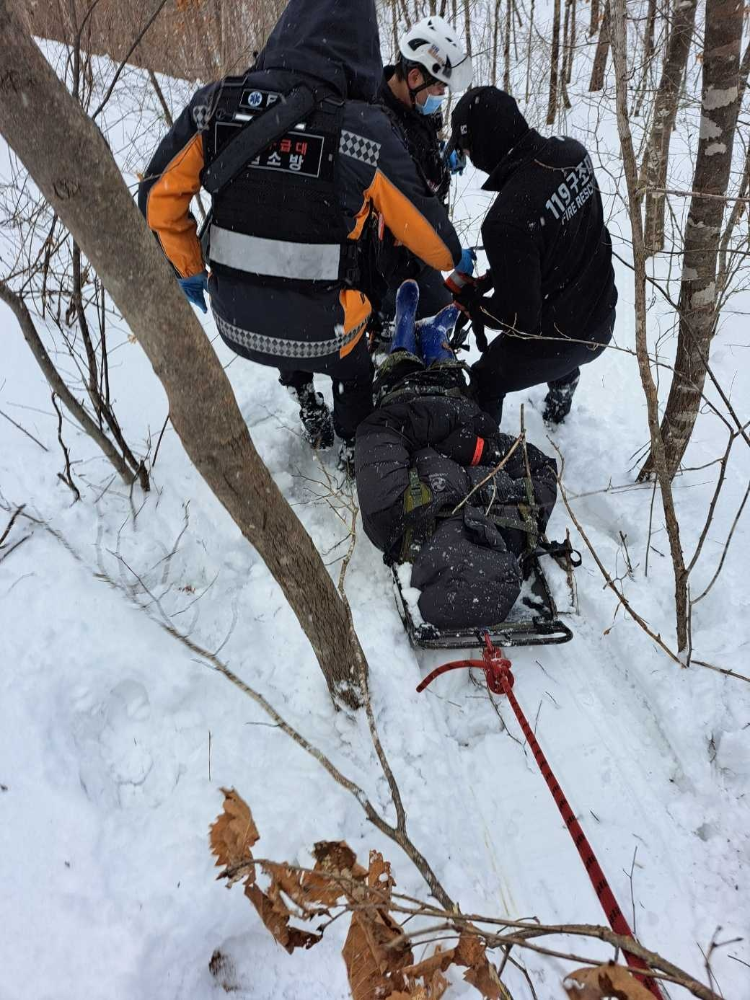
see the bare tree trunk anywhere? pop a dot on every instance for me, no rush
(554, 65)
(619, 54)
(506, 46)
(602, 51)
(571, 35)
(649, 44)
(740, 207)
(467, 25)
(721, 101)
(528, 51)
(85, 187)
(656, 159)
(594, 22)
(495, 38)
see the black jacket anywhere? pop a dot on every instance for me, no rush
(549, 251)
(422, 135)
(334, 43)
(468, 567)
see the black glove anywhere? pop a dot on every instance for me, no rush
(468, 301)
(474, 443)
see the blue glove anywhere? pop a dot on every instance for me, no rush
(457, 161)
(194, 289)
(466, 264)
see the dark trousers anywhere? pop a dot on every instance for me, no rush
(512, 363)
(352, 385)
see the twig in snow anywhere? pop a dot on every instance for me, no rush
(608, 579)
(24, 431)
(67, 476)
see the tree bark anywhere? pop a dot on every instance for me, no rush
(495, 38)
(594, 22)
(467, 26)
(506, 45)
(602, 51)
(554, 69)
(656, 159)
(528, 51)
(721, 101)
(83, 184)
(619, 54)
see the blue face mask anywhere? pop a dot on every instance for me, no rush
(432, 104)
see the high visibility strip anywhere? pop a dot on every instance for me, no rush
(478, 451)
(275, 258)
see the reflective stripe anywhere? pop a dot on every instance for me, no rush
(285, 347)
(275, 258)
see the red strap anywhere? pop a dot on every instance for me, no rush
(499, 677)
(478, 451)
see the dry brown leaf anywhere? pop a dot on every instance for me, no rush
(485, 979)
(373, 972)
(234, 834)
(333, 858)
(432, 990)
(379, 874)
(436, 963)
(481, 973)
(278, 923)
(301, 889)
(605, 981)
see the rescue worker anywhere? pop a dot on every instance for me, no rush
(430, 62)
(419, 457)
(551, 285)
(285, 281)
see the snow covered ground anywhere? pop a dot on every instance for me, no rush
(115, 740)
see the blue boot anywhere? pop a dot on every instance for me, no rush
(433, 336)
(407, 300)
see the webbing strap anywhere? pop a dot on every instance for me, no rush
(254, 137)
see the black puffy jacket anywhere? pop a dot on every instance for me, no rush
(468, 566)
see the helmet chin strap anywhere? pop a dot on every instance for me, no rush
(413, 91)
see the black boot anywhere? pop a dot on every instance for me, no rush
(315, 416)
(345, 463)
(559, 399)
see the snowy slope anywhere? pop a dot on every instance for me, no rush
(115, 740)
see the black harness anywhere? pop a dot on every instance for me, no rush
(271, 169)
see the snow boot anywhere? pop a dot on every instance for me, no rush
(345, 462)
(404, 335)
(433, 336)
(315, 416)
(559, 399)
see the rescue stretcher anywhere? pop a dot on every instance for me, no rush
(533, 620)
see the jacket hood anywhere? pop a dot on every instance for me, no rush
(332, 41)
(487, 121)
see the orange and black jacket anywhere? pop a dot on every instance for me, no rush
(277, 286)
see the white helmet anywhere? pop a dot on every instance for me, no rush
(431, 43)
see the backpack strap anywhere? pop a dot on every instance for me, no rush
(259, 133)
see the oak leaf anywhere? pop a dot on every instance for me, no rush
(300, 888)
(374, 964)
(605, 981)
(339, 872)
(233, 835)
(271, 912)
(481, 973)
(379, 874)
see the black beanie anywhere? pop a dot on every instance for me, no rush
(487, 121)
